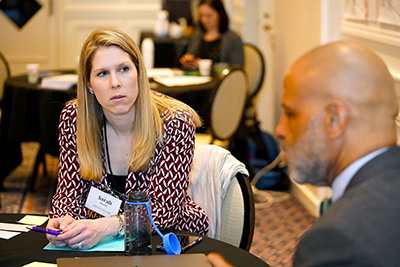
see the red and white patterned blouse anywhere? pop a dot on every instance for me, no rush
(165, 179)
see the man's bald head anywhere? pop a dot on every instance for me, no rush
(347, 71)
(339, 105)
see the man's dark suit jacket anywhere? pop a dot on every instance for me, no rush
(363, 227)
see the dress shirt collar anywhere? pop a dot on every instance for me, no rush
(339, 185)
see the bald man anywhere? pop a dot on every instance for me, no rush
(338, 129)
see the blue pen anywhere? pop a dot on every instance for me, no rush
(43, 230)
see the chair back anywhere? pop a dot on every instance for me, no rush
(219, 183)
(4, 74)
(254, 67)
(228, 104)
(238, 213)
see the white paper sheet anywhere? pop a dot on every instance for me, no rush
(8, 234)
(40, 264)
(62, 82)
(14, 227)
(182, 80)
(161, 72)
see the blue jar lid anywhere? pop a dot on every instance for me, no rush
(171, 244)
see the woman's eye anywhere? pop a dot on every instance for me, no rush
(124, 69)
(102, 73)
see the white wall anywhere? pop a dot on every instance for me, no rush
(298, 29)
(53, 36)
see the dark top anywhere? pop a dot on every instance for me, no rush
(231, 47)
(211, 50)
(117, 182)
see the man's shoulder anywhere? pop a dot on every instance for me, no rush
(363, 213)
(377, 181)
(354, 229)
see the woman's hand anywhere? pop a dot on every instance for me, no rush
(81, 234)
(189, 62)
(58, 224)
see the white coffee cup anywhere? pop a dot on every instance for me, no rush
(33, 72)
(205, 67)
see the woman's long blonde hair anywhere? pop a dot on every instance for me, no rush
(149, 107)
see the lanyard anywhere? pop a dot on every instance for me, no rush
(108, 154)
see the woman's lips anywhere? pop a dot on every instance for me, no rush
(117, 97)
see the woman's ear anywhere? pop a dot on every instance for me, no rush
(336, 119)
(90, 88)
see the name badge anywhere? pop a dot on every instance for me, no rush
(102, 203)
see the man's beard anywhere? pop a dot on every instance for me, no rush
(308, 160)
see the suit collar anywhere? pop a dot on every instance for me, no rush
(375, 167)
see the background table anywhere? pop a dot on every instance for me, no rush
(29, 113)
(28, 247)
(197, 96)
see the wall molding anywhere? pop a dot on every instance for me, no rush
(370, 32)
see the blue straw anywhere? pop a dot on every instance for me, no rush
(170, 240)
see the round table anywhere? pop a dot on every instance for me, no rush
(29, 114)
(28, 247)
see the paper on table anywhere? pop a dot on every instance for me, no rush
(157, 72)
(182, 80)
(14, 227)
(39, 264)
(8, 234)
(62, 82)
(33, 220)
(108, 243)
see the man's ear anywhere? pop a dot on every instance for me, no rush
(336, 119)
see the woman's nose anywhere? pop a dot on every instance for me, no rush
(114, 81)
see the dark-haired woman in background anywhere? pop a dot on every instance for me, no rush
(215, 41)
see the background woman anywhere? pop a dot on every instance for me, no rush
(215, 41)
(120, 135)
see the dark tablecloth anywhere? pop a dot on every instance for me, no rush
(29, 113)
(28, 247)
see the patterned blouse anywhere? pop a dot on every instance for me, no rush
(165, 179)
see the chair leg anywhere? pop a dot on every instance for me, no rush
(40, 158)
(30, 183)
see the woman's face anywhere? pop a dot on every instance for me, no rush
(209, 17)
(113, 79)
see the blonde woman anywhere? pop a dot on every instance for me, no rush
(119, 134)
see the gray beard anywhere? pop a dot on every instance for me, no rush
(308, 161)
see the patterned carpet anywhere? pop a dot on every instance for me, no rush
(278, 229)
(37, 202)
(279, 224)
